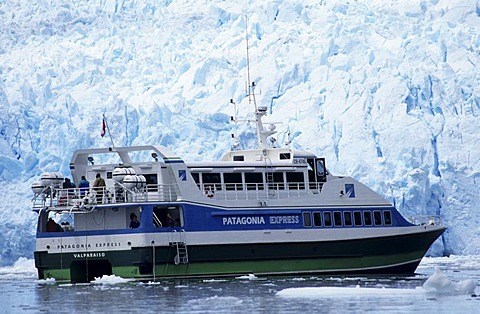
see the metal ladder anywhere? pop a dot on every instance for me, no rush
(270, 186)
(177, 239)
(182, 253)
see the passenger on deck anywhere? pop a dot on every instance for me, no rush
(66, 226)
(134, 223)
(83, 185)
(52, 226)
(99, 186)
(209, 191)
(69, 186)
(170, 222)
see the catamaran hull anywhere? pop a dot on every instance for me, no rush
(396, 254)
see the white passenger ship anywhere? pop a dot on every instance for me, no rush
(265, 211)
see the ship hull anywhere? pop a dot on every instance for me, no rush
(393, 254)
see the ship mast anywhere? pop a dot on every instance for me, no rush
(260, 111)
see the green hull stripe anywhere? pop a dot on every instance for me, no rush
(364, 264)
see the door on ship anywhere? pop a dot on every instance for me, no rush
(317, 172)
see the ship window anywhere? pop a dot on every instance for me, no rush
(167, 216)
(285, 156)
(196, 178)
(254, 180)
(152, 182)
(387, 217)
(233, 181)
(212, 179)
(109, 175)
(377, 217)
(238, 158)
(347, 218)
(327, 219)
(277, 183)
(337, 218)
(357, 218)
(295, 180)
(317, 219)
(307, 219)
(367, 218)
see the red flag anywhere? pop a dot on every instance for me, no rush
(104, 127)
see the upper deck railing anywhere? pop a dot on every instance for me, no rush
(63, 199)
(81, 197)
(259, 191)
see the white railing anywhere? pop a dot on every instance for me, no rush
(258, 191)
(81, 197)
(425, 220)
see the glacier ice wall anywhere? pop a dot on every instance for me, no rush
(387, 91)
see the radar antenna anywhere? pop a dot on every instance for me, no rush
(260, 111)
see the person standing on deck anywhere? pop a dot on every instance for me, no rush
(99, 186)
(83, 185)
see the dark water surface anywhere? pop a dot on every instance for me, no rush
(21, 293)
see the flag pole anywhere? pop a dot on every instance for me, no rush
(105, 125)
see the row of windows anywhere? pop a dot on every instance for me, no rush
(282, 156)
(252, 180)
(347, 218)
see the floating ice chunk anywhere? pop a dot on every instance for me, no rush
(110, 280)
(342, 292)
(48, 281)
(22, 268)
(150, 283)
(214, 280)
(466, 287)
(248, 277)
(439, 283)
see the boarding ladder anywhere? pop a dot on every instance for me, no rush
(178, 240)
(270, 186)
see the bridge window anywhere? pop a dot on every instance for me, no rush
(327, 219)
(357, 218)
(275, 180)
(367, 218)
(233, 181)
(387, 217)
(295, 180)
(196, 178)
(377, 217)
(317, 219)
(347, 218)
(254, 180)
(238, 158)
(284, 156)
(212, 179)
(307, 219)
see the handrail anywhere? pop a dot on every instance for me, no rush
(258, 191)
(79, 198)
(59, 198)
